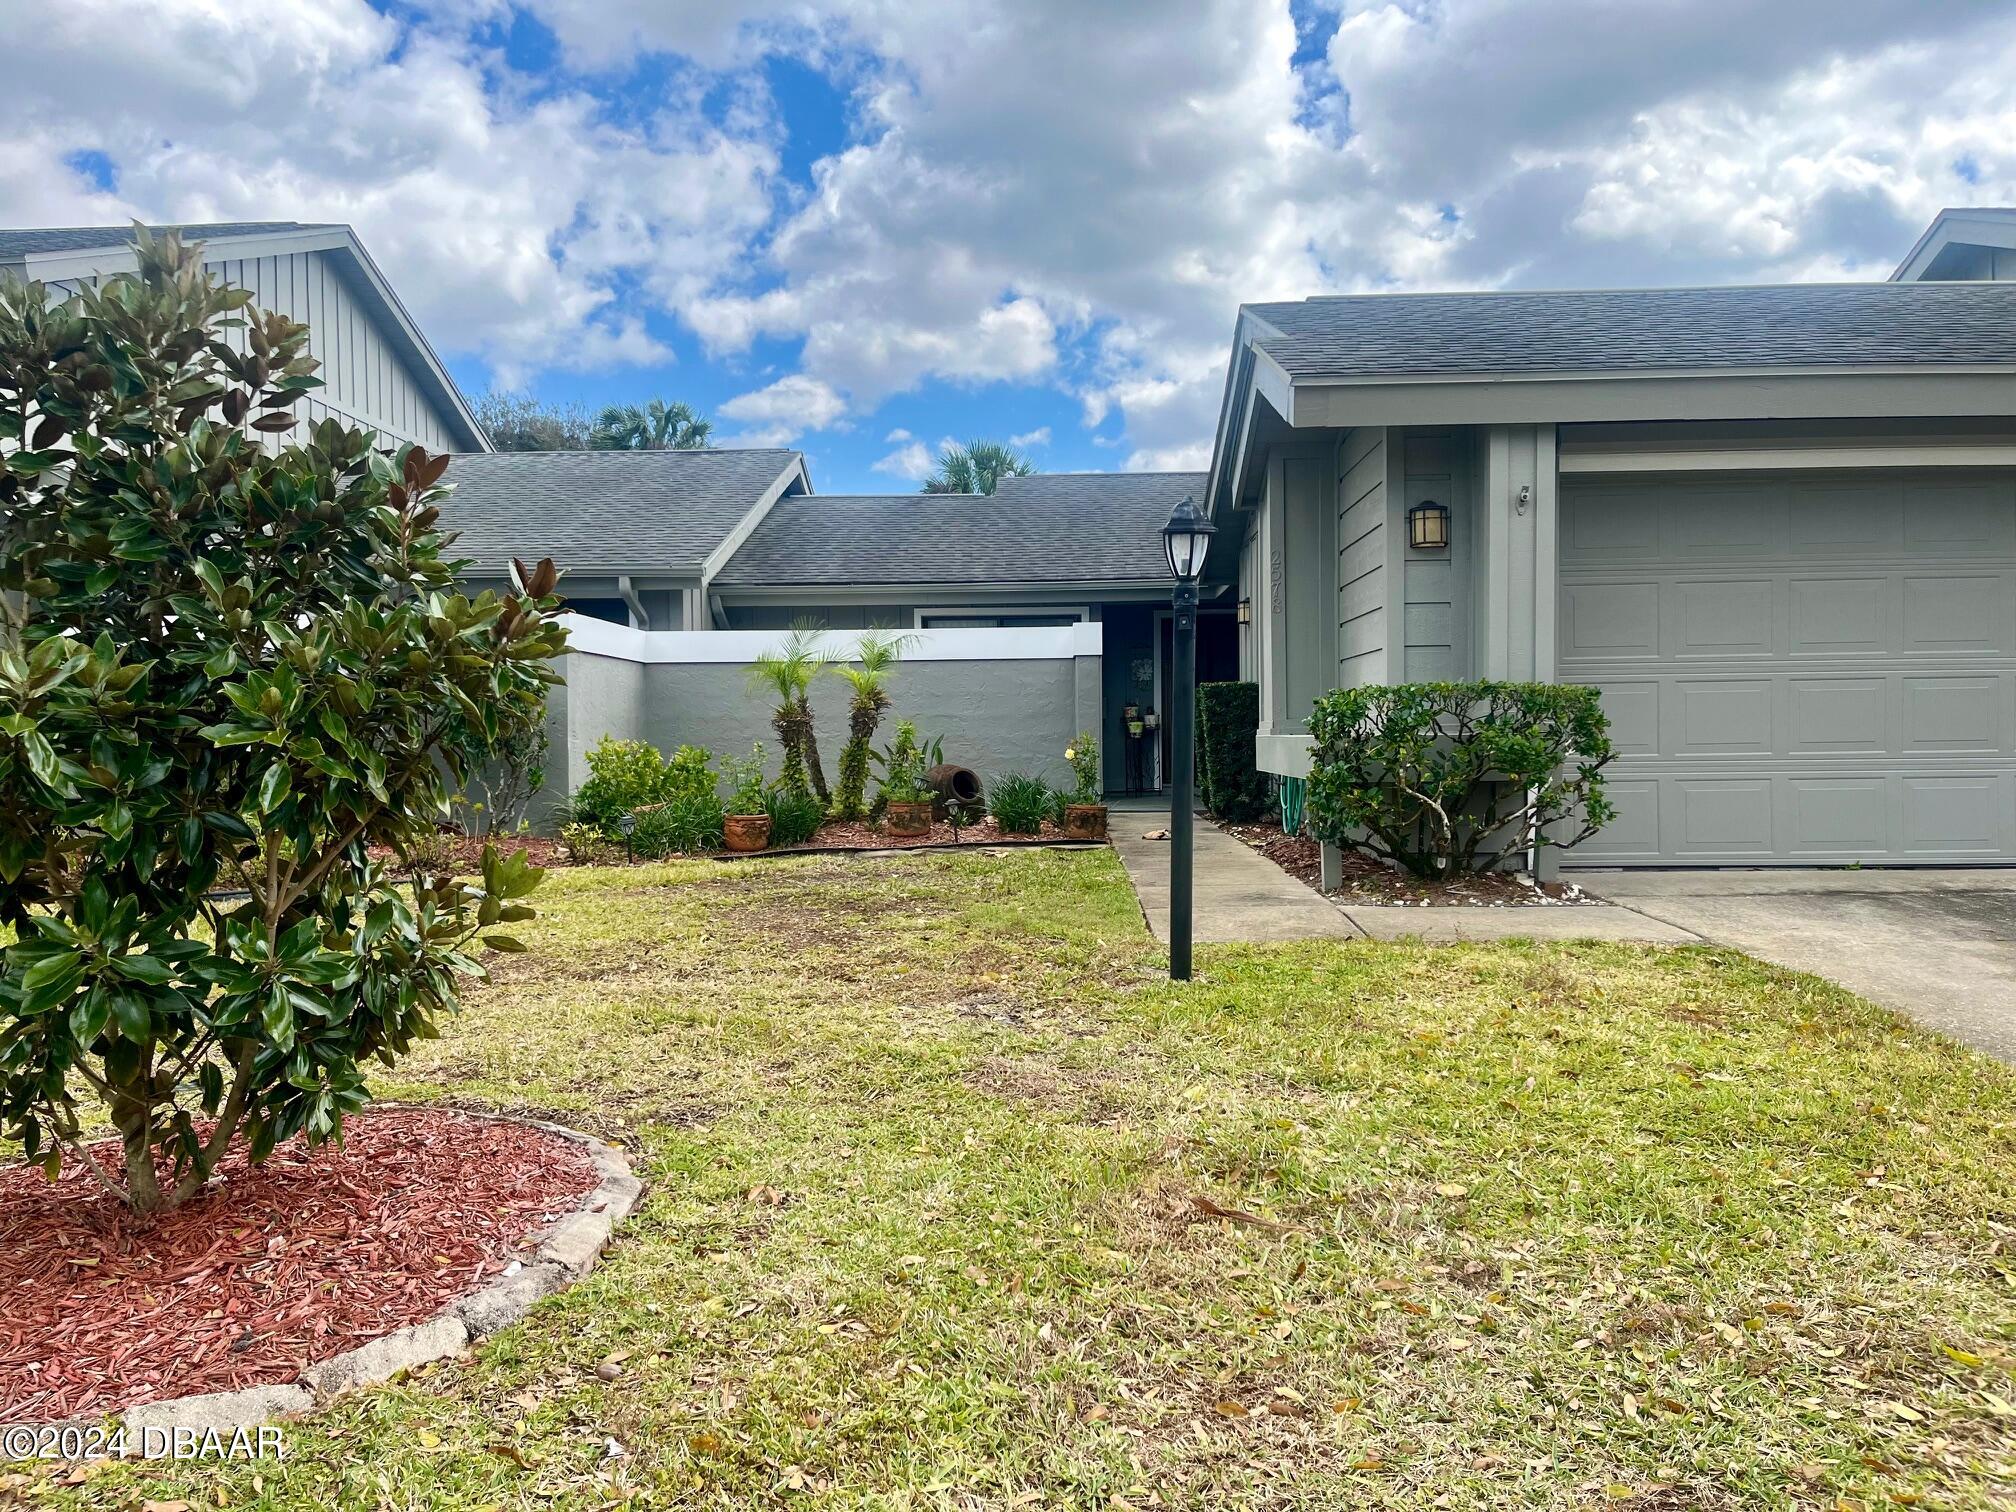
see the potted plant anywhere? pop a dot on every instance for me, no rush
(1084, 815)
(906, 796)
(746, 825)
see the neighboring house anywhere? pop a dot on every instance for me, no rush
(737, 540)
(639, 535)
(1963, 245)
(1775, 526)
(377, 370)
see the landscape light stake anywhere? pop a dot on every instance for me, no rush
(1185, 538)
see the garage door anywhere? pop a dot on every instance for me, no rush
(1801, 670)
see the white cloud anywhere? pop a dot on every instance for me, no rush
(784, 410)
(510, 218)
(898, 434)
(1037, 437)
(914, 461)
(1029, 191)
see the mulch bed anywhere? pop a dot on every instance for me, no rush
(1371, 882)
(274, 1269)
(463, 854)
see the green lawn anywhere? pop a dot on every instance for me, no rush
(934, 1153)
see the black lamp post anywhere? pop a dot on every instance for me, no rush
(1186, 538)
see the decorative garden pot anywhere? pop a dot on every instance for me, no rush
(1084, 821)
(746, 832)
(952, 784)
(908, 819)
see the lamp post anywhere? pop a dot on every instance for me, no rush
(1185, 538)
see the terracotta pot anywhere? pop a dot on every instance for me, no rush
(908, 819)
(746, 832)
(1084, 821)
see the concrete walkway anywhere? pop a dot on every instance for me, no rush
(1241, 896)
(1237, 893)
(1937, 945)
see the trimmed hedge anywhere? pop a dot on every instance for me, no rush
(1446, 778)
(1228, 722)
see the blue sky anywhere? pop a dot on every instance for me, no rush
(862, 227)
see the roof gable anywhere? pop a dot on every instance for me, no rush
(54, 254)
(612, 511)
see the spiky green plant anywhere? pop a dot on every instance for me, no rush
(786, 674)
(977, 468)
(875, 656)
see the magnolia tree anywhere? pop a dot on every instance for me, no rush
(229, 675)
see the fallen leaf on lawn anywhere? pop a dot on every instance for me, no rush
(1369, 1464)
(768, 1196)
(1285, 1409)
(1452, 1189)
(704, 1443)
(1347, 1404)
(512, 1453)
(1970, 1360)
(1228, 1409)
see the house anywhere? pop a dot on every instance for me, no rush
(738, 540)
(1775, 526)
(378, 372)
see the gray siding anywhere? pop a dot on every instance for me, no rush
(1436, 583)
(365, 380)
(1362, 549)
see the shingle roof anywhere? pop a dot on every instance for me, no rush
(1045, 528)
(39, 241)
(630, 511)
(1642, 330)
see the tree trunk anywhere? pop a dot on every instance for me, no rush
(809, 744)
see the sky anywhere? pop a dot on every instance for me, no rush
(865, 229)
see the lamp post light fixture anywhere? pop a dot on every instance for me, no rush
(1428, 526)
(1186, 539)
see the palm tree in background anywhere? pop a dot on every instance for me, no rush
(875, 654)
(786, 675)
(656, 426)
(977, 468)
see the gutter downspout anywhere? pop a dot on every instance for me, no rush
(627, 591)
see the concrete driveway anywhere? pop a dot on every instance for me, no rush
(1939, 946)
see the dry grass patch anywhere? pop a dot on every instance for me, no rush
(956, 1204)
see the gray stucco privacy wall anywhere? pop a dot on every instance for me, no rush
(1003, 700)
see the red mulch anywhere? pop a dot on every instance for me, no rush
(465, 852)
(1368, 881)
(277, 1268)
(859, 835)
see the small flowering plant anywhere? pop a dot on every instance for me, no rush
(1083, 754)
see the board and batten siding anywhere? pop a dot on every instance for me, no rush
(1362, 550)
(1436, 583)
(366, 381)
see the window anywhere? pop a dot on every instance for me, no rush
(991, 619)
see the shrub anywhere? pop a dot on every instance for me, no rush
(1020, 803)
(795, 815)
(584, 843)
(745, 781)
(903, 768)
(227, 675)
(1083, 754)
(622, 775)
(1443, 778)
(1234, 790)
(687, 814)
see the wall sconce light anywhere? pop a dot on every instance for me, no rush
(1245, 611)
(1428, 526)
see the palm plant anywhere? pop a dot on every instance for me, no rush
(786, 674)
(656, 426)
(977, 468)
(875, 654)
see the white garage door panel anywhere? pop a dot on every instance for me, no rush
(1798, 669)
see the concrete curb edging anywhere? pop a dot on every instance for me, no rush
(567, 1252)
